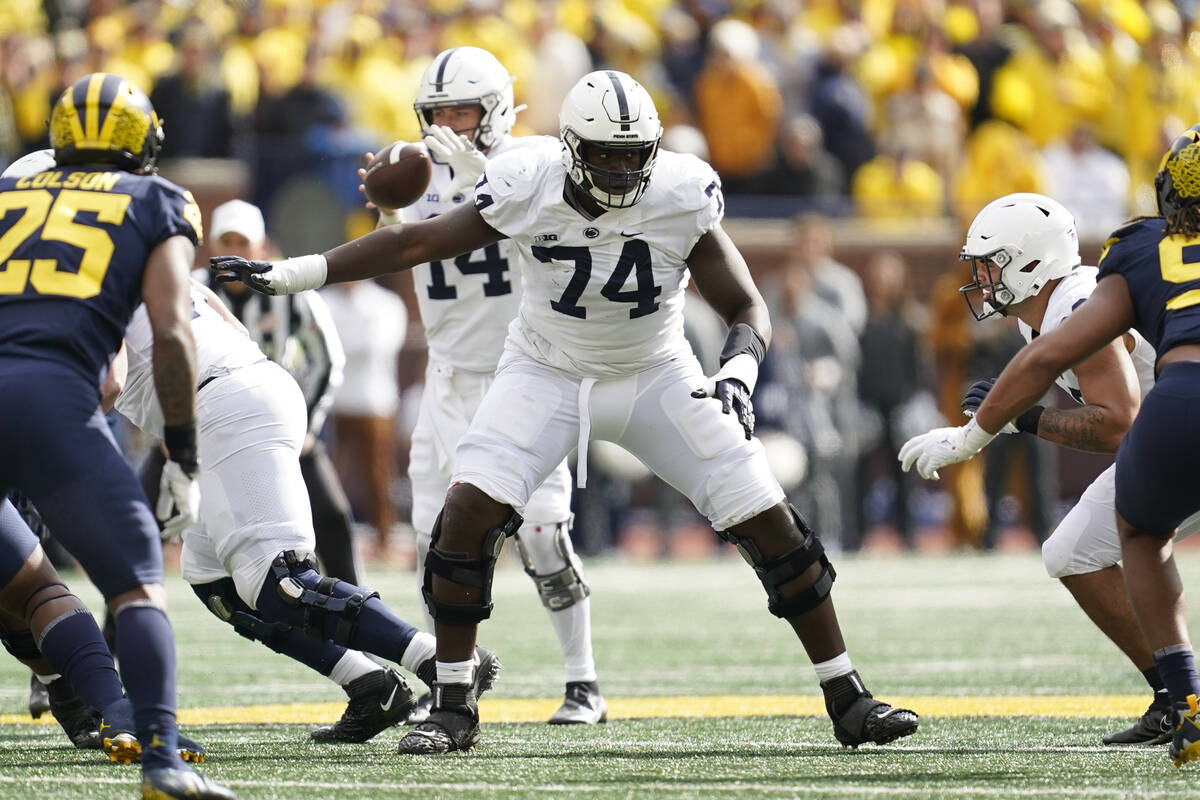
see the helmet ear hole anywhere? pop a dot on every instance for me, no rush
(1031, 266)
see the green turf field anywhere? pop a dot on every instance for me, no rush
(710, 697)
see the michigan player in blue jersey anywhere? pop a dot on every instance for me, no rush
(81, 245)
(1149, 279)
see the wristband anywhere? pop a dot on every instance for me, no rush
(975, 438)
(294, 275)
(181, 446)
(389, 217)
(1028, 421)
(743, 339)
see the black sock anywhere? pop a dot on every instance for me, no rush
(1156, 683)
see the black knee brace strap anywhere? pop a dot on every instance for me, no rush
(20, 644)
(466, 571)
(778, 571)
(318, 601)
(64, 593)
(221, 598)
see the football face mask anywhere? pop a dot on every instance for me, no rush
(987, 295)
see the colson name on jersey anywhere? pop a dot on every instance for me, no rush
(98, 181)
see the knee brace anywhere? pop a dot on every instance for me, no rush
(221, 598)
(299, 584)
(20, 644)
(466, 571)
(561, 589)
(778, 571)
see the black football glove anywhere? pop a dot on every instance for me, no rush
(254, 274)
(734, 396)
(973, 399)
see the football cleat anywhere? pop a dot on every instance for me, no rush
(420, 711)
(1152, 728)
(487, 668)
(79, 720)
(583, 705)
(378, 700)
(1185, 739)
(119, 742)
(169, 783)
(39, 697)
(859, 718)
(453, 724)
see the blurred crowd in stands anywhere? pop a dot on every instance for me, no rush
(811, 110)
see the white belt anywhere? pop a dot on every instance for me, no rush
(585, 431)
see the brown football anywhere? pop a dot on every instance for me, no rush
(398, 175)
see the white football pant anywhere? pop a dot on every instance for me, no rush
(253, 503)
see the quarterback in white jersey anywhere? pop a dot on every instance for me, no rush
(465, 106)
(609, 232)
(1025, 259)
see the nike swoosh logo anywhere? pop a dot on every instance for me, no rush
(631, 235)
(391, 698)
(886, 714)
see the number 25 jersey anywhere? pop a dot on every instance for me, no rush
(73, 249)
(601, 297)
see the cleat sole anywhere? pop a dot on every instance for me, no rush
(126, 750)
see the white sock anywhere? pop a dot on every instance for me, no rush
(422, 646)
(350, 666)
(455, 671)
(573, 626)
(834, 667)
(46, 680)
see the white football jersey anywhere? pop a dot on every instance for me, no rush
(466, 303)
(601, 297)
(1070, 292)
(220, 348)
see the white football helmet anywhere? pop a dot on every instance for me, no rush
(610, 132)
(1016, 245)
(469, 75)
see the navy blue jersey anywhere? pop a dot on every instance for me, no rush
(73, 247)
(1163, 275)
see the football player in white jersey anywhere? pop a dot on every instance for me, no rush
(1024, 256)
(250, 556)
(608, 231)
(465, 107)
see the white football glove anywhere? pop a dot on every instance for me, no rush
(456, 150)
(178, 501)
(943, 446)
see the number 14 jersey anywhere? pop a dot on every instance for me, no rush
(466, 302)
(601, 297)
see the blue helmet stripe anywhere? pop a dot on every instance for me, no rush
(441, 72)
(622, 100)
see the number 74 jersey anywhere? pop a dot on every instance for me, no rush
(601, 297)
